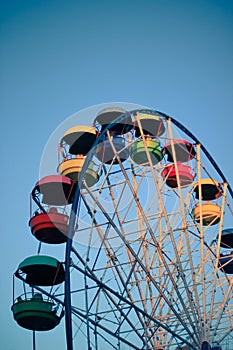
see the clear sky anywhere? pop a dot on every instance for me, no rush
(58, 57)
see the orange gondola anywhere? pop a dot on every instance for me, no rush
(210, 214)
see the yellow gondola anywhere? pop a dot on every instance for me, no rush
(210, 189)
(151, 125)
(210, 213)
(80, 139)
(72, 168)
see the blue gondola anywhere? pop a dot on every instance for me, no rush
(226, 263)
(227, 238)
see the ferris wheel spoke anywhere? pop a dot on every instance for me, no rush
(126, 317)
(92, 276)
(130, 298)
(132, 263)
(226, 335)
(223, 306)
(105, 315)
(217, 259)
(144, 268)
(202, 266)
(107, 330)
(183, 230)
(144, 217)
(169, 226)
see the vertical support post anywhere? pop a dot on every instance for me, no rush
(217, 256)
(68, 317)
(87, 312)
(203, 258)
(34, 340)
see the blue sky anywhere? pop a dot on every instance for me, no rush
(58, 57)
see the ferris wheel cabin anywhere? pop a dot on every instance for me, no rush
(36, 314)
(107, 150)
(72, 169)
(210, 189)
(55, 190)
(185, 175)
(183, 149)
(226, 262)
(31, 310)
(113, 144)
(227, 238)
(179, 151)
(208, 213)
(51, 226)
(106, 117)
(80, 139)
(139, 154)
(42, 270)
(151, 125)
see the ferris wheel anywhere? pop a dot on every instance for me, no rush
(145, 217)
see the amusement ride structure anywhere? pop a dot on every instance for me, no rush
(144, 215)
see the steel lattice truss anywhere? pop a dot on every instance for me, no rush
(162, 264)
(142, 273)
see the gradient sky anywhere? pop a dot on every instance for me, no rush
(58, 57)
